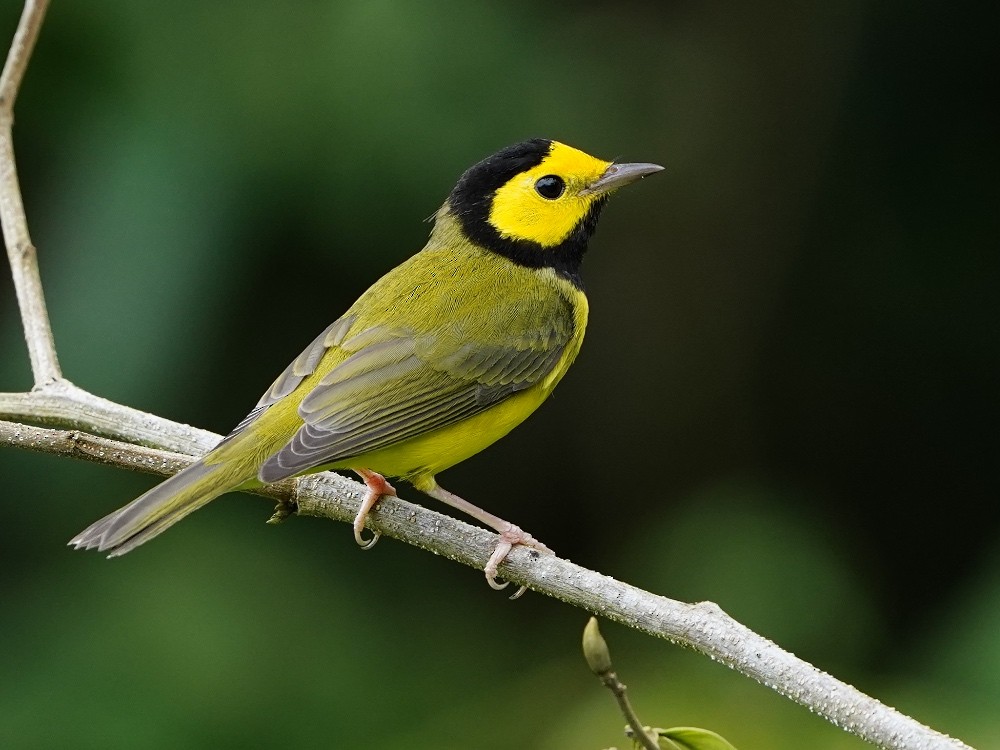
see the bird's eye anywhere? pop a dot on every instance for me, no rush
(550, 186)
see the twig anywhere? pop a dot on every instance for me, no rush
(703, 627)
(19, 54)
(617, 688)
(595, 651)
(20, 251)
(62, 404)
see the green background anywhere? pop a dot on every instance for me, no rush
(787, 402)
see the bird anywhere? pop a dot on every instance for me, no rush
(438, 359)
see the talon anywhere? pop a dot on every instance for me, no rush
(508, 538)
(500, 552)
(496, 585)
(377, 488)
(359, 536)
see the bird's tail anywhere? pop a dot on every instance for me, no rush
(157, 510)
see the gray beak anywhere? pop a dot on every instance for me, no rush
(618, 175)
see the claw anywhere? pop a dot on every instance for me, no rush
(508, 538)
(377, 488)
(359, 534)
(497, 586)
(500, 552)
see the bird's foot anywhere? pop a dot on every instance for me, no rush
(510, 536)
(377, 488)
(509, 533)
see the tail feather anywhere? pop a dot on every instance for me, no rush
(157, 510)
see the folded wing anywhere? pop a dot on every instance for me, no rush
(397, 384)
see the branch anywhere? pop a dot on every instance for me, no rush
(135, 440)
(20, 251)
(703, 627)
(62, 404)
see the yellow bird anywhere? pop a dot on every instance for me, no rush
(442, 356)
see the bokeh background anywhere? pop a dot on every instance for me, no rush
(787, 402)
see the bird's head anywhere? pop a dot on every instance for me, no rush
(538, 202)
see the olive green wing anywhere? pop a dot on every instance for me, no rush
(397, 384)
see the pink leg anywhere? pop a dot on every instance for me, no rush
(509, 533)
(377, 487)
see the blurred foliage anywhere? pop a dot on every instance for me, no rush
(787, 402)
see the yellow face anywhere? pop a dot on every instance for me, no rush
(544, 204)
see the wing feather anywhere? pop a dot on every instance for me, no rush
(398, 385)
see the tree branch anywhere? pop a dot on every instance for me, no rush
(20, 251)
(62, 404)
(703, 627)
(149, 443)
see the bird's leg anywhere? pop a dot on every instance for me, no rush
(509, 533)
(377, 487)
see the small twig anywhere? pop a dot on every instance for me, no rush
(20, 250)
(595, 651)
(617, 688)
(20, 52)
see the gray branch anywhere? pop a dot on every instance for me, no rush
(109, 433)
(62, 404)
(703, 627)
(20, 251)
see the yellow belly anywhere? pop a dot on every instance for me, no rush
(435, 451)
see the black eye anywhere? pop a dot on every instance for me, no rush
(550, 186)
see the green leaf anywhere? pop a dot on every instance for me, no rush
(691, 738)
(683, 738)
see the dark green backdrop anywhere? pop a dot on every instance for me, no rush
(787, 402)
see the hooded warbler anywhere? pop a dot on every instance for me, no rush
(442, 356)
